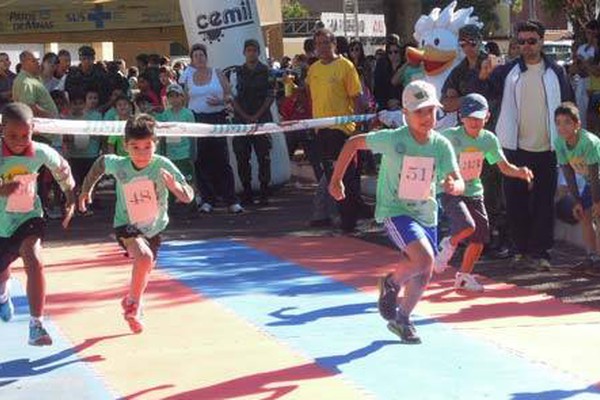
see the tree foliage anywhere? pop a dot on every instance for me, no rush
(579, 12)
(294, 9)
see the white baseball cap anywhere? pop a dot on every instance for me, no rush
(419, 94)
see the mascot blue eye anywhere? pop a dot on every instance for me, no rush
(436, 41)
(423, 43)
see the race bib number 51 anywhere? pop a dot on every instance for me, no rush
(415, 178)
(140, 198)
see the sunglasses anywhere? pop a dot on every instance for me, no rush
(530, 41)
(464, 43)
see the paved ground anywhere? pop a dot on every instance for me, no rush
(288, 215)
(259, 306)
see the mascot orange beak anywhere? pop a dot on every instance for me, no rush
(435, 61)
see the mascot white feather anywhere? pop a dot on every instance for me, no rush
(437, 36)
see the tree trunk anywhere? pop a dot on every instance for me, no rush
(401, 16)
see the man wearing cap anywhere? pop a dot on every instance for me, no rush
(252, 103)
(529, 89)
(87, 76)
(415, 159)
(467, 213)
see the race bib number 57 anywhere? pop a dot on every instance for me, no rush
(415, 178)
(142, 205)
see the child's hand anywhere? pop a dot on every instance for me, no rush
(449, 185)
(8, 188)
(70, 201)
(168, 179)
(84, 200)
(337, 190)
(578, 212)
(526, 174)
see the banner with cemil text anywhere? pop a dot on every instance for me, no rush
(223, 26)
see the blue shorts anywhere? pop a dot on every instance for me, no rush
(586, 197)
(404, 230)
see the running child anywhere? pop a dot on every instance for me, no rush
(414, 159)
(466, 213)
(578, 151)
(143, 181)
(21, 215)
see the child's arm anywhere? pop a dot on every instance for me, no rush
(513, 171)
(593, 170)
(92, 177)
(61, 171)
(569, 174)
(336, 186)
(183, 191)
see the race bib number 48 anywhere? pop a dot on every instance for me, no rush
(142, 205)
(470, 165)
(415, 178)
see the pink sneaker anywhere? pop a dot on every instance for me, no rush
(132, 314)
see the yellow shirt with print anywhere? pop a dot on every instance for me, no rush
(333, 89)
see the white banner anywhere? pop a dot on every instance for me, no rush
(223, 26)
(369, 25)
(178, 129)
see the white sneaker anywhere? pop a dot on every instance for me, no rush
(206, 208)
(444, 256)
(467, 282)
(236, 209)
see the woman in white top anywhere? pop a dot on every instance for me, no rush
(209, 94)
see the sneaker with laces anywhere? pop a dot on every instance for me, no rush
(38, 336)
(541, 264)
(132, 314)
(405, 330)
(236, 209)
(388, 292)
(206, 208)
(7, 310)
(467, 282)
(444, 256)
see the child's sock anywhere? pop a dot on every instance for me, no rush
(36, 321)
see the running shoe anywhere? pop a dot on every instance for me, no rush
(38, 336)
(405, 330)
(388, 292)
(467, 282)
(132, 314)
(7, 310)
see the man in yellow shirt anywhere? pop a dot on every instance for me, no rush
(334, 88)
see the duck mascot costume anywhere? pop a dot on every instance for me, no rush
(438, 51)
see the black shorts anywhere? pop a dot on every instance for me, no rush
(467, 212)
(10, 246)
(126, 232)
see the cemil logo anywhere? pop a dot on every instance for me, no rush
(212, 25)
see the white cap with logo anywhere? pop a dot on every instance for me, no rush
(419, 94)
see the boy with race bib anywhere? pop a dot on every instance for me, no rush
(466, 213)
(21, 215)
(143, 181)
(578, 151)
(415, 158)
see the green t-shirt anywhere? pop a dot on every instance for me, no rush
(111, 114)
(396, 145)
(178, 148)
(586, 152)
(118, 142)
(30, 90)
(85, 146)
(11, 166)
(122, 169)
(470, 153)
